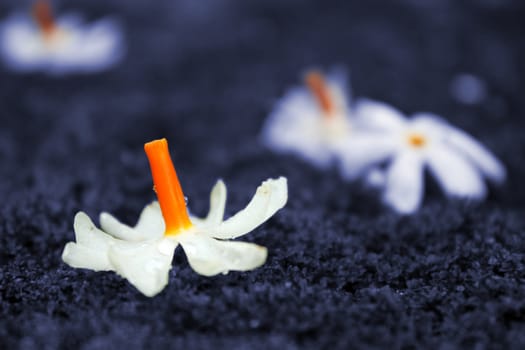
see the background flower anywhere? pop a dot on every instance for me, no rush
(58, 46)
(312, 119)
(410, 145)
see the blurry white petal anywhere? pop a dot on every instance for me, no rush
(379, 115)
(208, 256)
(292, 111)
(270, 196)
(431, 125)
(404, 186)
(217, 205)
(479, 155)
(363, 150)
(454, 173)
(295, 126)
(99, 46)
(145, 265)
(91, 246)
(150, 225)
(21, 45)
(464, 143)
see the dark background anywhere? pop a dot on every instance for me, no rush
(342, 270)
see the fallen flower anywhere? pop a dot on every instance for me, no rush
(317, 123)
(143, 254)
(311, 120)
(454, 158)
(39, 42)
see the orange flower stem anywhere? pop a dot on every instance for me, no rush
(316, 83)
(43, 16)
(167, 187)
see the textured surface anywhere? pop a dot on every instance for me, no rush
(342, 271)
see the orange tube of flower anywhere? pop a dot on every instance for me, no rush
(167, 186)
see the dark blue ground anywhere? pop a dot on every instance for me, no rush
(342, 272)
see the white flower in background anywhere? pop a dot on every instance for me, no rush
(41, 43)
(316, 122)
(143, 254)
(311, 120)
(454, 158)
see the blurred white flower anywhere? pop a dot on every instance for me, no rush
(41, 43)
(143, 254)
(311, 120)
(316, 123)
(454, 158)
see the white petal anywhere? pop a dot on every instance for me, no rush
(151, 221)
(404, 186)
(208, 256)
(112, 226)
(431, 125)
(295, 126)
(150, 225)
(437, 128)
(99, 46)
(91, 247)
(379, 115)
(217, 204)
(479, 155)
(21, 45)
(145, 265)
(429, 120)
(454, 173)
(270, 196)
(363, 150)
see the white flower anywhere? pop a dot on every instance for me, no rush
(143, 254)
(41, 43)
(457, 161)
(311, 120)
(317, 123)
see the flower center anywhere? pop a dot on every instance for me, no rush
(43, 16)
(316, 83)
(417, 140)
(167, 186)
